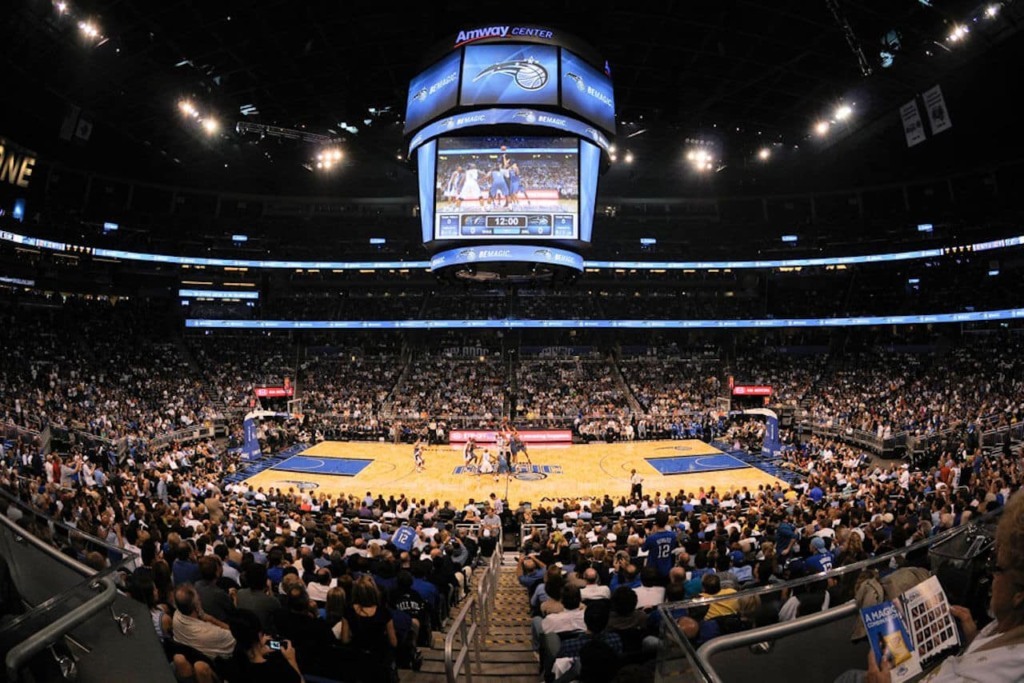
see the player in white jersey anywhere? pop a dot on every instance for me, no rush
(417, 455)
(471, 187)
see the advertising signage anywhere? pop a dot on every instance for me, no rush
(275, 392)
(751, 390)
(510, 74)
(433, 92)
(587, 91)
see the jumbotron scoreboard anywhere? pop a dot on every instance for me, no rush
(509, 128)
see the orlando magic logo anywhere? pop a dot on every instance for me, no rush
(468, 254)
(421, 96)
(545, 254)
(580, 85)
(527, 115)
(527, 73)
(302, 485)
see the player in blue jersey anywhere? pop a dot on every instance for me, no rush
(498, 187)
(659, 546)
(515, 184)
(469, 456)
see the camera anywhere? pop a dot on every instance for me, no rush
(274, 644)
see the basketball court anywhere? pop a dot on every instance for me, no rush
(574, 471)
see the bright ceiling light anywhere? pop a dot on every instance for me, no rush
(843, 112)
(88, 29)
(764, 153)
(210, 125)
(821, 127)
(62, 7)
(187, 108)
(629, 157)
(991, 11)
(958, 33)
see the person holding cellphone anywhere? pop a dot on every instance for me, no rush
(263, 659)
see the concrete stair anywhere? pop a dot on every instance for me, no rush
(506, 652)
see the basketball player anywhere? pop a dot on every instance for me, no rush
(518, 446)
(470, 188)
(417, 455)
(486, 464)
(499, 186)
(453, 187)
(515, 185)
(469, 454)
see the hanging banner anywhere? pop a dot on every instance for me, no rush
(913, 127)
(935, 106)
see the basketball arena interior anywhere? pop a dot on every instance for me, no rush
(486, 341)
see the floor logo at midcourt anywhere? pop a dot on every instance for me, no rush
(522, 472)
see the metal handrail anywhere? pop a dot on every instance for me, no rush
(855, 567)
(732, 641)
(50, 634)
(479, 605)
(469, 637)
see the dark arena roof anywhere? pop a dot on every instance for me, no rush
(246, 342)
(741, 76)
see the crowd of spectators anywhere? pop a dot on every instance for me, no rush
(559, 391)
(629, 555)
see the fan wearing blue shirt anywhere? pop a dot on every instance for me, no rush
(659, 546)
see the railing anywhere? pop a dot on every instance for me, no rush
(471, 623)
(468, 637)
(73, 610)
(45, 637)
(726, 658)
(527, 530)
(856, 436)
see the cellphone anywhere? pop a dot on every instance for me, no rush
(274, 644)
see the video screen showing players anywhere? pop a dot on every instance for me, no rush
(507, 187)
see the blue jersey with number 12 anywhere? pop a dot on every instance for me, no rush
(659, 547)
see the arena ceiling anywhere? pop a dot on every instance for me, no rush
(740, 74)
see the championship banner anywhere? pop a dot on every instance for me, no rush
(913, 127)
(529, 436)
(935, 107)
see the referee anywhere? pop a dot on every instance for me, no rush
(636, 485)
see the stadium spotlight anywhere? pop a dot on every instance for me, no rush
(62, 7)
(991, 11)
(327, 158)
(958, 33)
(821, 128)
(210, 125)
(89, 29)
(188, 109)
(612, 149)
(764, 154)
(628, 158)
(843, 112)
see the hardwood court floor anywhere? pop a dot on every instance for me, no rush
(568, 471)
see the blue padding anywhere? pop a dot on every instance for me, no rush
(344, 467)
(696, 463)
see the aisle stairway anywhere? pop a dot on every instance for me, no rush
(506, 653)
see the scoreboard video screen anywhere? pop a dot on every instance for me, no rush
(507, 188)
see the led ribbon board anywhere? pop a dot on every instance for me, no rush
(506, 324)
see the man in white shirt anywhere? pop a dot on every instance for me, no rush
(593, 590)
(636, 485)
(649, 595)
